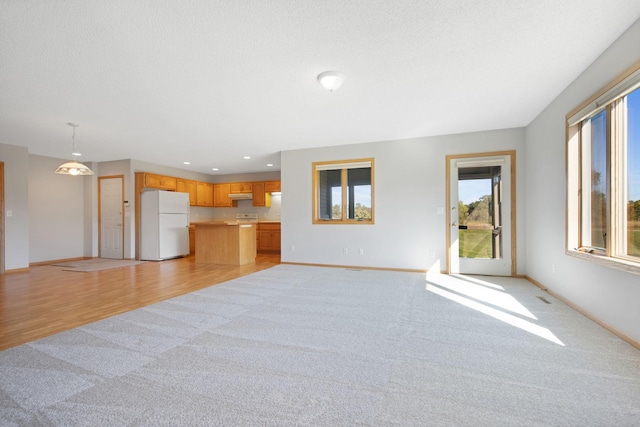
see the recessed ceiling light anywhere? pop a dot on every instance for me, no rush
(247, 157)
(186, 163)
(214, 169)
(269, 165)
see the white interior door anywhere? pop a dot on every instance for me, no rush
(480, 215)
(111, 218)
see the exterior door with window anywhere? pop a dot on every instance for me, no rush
(480, 215)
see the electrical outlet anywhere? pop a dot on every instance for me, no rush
(345, 251)
(293, 248)
(9, 213)
(432, 254)
(361, 252)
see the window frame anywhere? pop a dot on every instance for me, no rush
(343, 166)
(611, 99)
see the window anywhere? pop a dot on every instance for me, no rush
(343, 192)
(603, 165)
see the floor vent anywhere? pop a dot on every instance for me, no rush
(544, 300)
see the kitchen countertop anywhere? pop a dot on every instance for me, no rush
(222, 222)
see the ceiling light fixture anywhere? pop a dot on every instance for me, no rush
(331, 80)
(73, 167)
(247, 157)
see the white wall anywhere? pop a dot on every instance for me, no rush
(90, 219)
(56, 211)
(611, 295)
(409, 186)
(16, 190)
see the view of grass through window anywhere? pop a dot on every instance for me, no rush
(474, 218)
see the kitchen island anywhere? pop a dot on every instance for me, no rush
(225, 242)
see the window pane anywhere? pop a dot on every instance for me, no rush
(329, 194)
(599, 187)
(359, 193)
(474, 217)
(633, 173)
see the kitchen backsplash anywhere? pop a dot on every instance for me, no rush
(199, 213)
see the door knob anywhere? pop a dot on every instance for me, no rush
(453, 224)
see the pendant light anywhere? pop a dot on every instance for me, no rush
(73, 167)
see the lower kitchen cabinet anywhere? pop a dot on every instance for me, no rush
(192, 239)
(268, 237)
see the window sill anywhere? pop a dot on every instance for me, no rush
(351, 222)
(617, 263)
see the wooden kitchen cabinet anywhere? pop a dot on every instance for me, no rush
(204, 192)
(192, 239)
(188, 186)
(160, 182)
(220, 242)
(240, 187)
(221, 196)
(268, 237)
(260, 196)
(272, 186)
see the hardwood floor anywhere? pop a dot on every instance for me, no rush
(46, 300)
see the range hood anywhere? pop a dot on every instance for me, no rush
(241, 196)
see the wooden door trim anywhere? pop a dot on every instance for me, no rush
(100, 178)
(512, 155)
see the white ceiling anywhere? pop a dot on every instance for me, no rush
(211, 81)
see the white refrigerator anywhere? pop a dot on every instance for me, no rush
(164, 225)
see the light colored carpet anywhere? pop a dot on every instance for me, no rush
(96, 264)
(296, 345)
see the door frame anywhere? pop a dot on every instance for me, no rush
(100, 178)
(512, 155)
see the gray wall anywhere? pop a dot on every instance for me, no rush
(409, 185)
(16, 194)
(609, 294)
(56, 211)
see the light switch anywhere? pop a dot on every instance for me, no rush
(440, 210)
(9, 213)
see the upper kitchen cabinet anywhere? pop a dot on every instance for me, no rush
(260, 197)
(188, 186)
(221, 196)
(272, 186)
(204, 194)
(160, 182)
(241, 187)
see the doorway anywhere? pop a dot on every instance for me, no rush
(481, 220)
(110, 217)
